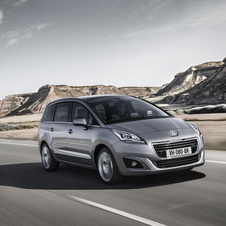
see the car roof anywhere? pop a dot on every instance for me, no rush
(87, 98)
(94, 97)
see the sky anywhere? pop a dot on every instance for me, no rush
(108, 42)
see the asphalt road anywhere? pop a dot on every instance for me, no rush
(76, 196)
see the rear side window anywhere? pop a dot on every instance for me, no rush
(48, 115)
(62, 112)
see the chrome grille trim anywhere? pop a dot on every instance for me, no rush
(161, 147)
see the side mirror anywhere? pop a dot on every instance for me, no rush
(80, 122)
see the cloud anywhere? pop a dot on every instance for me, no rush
(148, 10)
(39, 26)
(138, 33)
(12, 42)
(1, 16)
(110, 37)
(209, 17)
(27, 35)
(14, 36)
(19, 3)
(196, 19)
(158, 4)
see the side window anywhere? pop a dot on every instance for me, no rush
(79, 111)
(62, 112)
(48, 115)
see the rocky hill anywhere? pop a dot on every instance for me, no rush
(200, 84)
(36, 102)
(12, 102)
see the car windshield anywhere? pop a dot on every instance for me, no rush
(124, 108)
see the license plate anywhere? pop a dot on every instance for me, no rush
(178, 152)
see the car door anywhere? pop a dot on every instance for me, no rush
(58, 129)
(80, 138)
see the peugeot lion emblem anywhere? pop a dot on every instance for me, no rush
(173, 133)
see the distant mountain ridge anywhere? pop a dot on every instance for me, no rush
(36, 102)
(200, 84)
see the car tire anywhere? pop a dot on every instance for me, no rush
(48, 162)
(188, 170)
(107, 167)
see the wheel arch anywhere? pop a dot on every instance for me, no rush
(97, 151)
(116, 174)
(41, 144)
(46, 142)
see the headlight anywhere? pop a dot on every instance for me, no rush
(125, 136)
(193, 126)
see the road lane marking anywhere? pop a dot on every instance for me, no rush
(116, 211)
(220, 162)
(30, 145)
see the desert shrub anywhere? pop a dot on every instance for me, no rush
(18, 126)
(6, 126)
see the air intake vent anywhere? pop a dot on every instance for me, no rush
(177, 161)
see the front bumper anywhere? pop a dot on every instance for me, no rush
(140, 159)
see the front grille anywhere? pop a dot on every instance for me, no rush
(161, 148)
(177, 161)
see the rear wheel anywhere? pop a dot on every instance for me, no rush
(107, 167)
(48, 162)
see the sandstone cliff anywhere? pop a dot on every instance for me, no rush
(12, 102)
(200, 84)
(36, 102)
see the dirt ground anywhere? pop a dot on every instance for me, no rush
(22, 118)
(204, 117)
(212, 126)
(25, 134)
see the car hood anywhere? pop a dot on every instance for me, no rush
(151, 125)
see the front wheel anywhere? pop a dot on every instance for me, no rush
(48, 162)
(107, 167)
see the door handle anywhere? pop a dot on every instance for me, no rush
(51, 129)
(70, 131)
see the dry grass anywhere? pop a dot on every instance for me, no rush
(213, 128)
(18, 125)
(27, 134)
(25, 127)
(197, 119)
(203, 117)
(214, 133)
(21, 118)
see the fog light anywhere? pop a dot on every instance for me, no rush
(134, 164)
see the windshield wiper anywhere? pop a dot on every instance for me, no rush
(120, 120)
(143, 117)
(135, 119)
(150, 117)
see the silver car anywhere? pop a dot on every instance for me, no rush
(119, 135)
